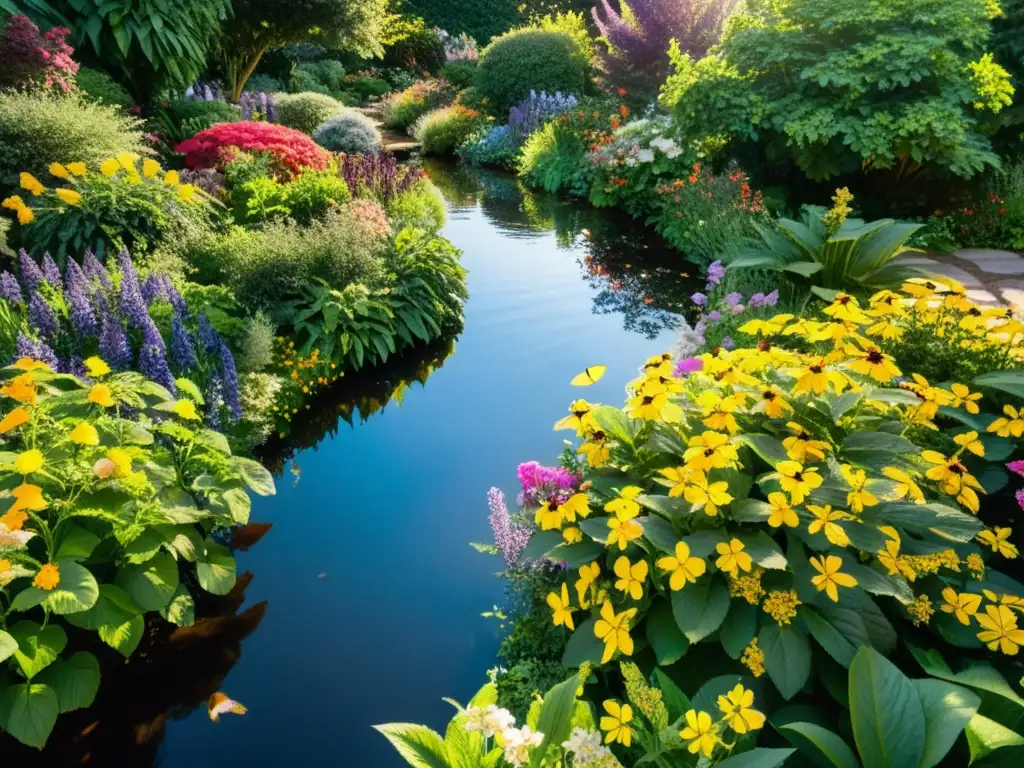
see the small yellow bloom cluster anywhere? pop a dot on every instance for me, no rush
(748, 587)
(647, 699)
(976, 566)
(840, 209)
(753, 658)
(307, 373)
(998, 622)
(781, 606)
(925, 565)
(921, 610)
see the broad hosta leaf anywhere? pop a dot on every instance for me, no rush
(255, 475)
(660, 533)
(76, 592)
(575, 555)
(757, 758)
(947, 710)
(151, 584)
(75, 680)
(215, 567)
(666, 506)
(28, 712)
(555, 720)
(700, 608)
(768, 448)
(865, 444)
(822, 746)
(763, 550)
(888, 720)
(540, 544)
(667, 641)
(182, 608)
(38, 648)
(583, 646)
(124, 637)
(239, 505)
(787, 657)
(615, 423)
(939, 520)
(8, 645)
(1011, 382)
(76, 542)
(417, 744)
(113, 607)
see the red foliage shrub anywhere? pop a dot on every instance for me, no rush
(220, 143)
(30, 59)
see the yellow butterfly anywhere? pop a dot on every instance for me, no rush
(590, 376)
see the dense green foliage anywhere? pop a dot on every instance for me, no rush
(419, 207)
(838, 86)
(99, 87)
(37, 129)
(530, 59)
(403, 108)
(440, 132)
(179, 119)
(306, 111)
(416, 47)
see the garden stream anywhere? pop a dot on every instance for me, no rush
(365, 599)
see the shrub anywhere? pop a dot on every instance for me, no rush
(263, 84)
(308, 196)
(529, 59)
(350, 131)
(257, 350)
(31, 60)
(85, 479)
(495, 146)
(419, 207)
(555, 157)
(367, 88)
(180, 120)
(417, 47)
(327, 72)
(270, 265)
(111, 207)
(306, 111)
(915, 96)
(217, 146)
(100, 88)
(441, 131)
(378, 176)
(404, 108)
(459, 73)
(37, 129)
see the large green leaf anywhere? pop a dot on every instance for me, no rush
(859, 445)
(659, 532)
(255, 475)
(1011, 382)
(75, 680)
(839, 646)
(787, 657)
(667, 641)
(700, 608)
(76, 592)
(113, 607)
(182, 608)
(888, 721)
(151, 584)
(739, 627)
(215, 567)
(8, 645)
(822, 746)
(947, 710)
(420, 746)
(757, 758)
(38, 647)
(28, 712)
(941, 521)
(76, 542)
(540, 544)
(677, 702)
(555, 720)
(985, 736)
(124, 637)
(583, 646)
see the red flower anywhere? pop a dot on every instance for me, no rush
(294, 149)
(1002, 211)
(621, 91)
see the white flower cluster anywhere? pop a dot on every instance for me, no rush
(638, 142)
(490, 720)
(587, 750)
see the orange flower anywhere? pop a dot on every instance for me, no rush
(26, 496)
(21, 388)
(13, 519)
(624, 111)
(14, 419)
(48, 577)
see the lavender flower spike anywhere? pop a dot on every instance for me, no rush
(9, 288)
(232, 396)
(31, 275)
(41, 316)
(130, 302)
(182, 350)
(51, 272)
(114, 347)
(511, 539)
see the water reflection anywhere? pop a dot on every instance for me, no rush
(635, 272)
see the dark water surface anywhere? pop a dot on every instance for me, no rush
(372, 595)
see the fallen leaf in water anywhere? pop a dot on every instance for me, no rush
(222, 705)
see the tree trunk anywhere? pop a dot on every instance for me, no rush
(239, 79)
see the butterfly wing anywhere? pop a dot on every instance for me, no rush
(590, 376)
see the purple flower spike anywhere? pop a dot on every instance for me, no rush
(114, 347)
(94, 270)
(232, 397)
(734, 298)
(182, 350)
(208, 336)
(41, 316)
(37, 350)
(10, 290)
(714, 315)
(31, 275)
(153, 357)
(727, 343)
(130, 301)
(83, 319)
(51, 272)
(511, 539)
(772, 298)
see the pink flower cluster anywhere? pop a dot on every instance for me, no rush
(220, 143)
(30, 59)
(541, 483)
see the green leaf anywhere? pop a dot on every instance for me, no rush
(739, 627)
(939, 520)
(76, 542)
(860, 445)
(615, 423)
(666, 506)
(151, 584)
(146, 545)
(28, 712)
(239, 505)
(985, 736)
(8, 645)
(839, 646)
(659, 532)
(700, 608)
(787, 657)
(575, 555)
(255, 475)
(76, 592)
(821, 745)
(182, 608)
(768, 448)
(667, 642)
(38, 648)
(75, 680)
(764, 551)
(1011, 382)
(757, 758)
(555, 720)
(417, 744)
(583, 646)
(540, 544)
(124, 637)
(677, 702)
(215, 568)
(113, 607)
(947, 710)
(888, 721)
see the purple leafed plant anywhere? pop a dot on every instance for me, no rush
(535, 110)
(636, 56)
(379, 174)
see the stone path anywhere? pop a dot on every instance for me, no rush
(399, 143)
(991, 277)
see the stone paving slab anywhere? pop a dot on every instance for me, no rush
(991, 277)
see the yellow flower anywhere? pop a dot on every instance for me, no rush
(26, 496)
(96, 367)
(30, 183)
(69, 196)
(828, 520)
(13, 420)
(905, 485)
(782, 606)
(13, 203)
(122, 462)
(560, 606)
(753, 658)
(150, 168)
(782, 513)
(588, 575)
(29, 461)
(1010, 424)
(872, 362)
(969, 441)
(625, 507)
(718, 411)
(596, 450)
(85, 434)
(186, 409)
(48, 577)
(127, 161)
(890, 556)
(110, 167)
(845, 308)
(772, 403)
(921, 610)
(25, 216)
(999, 540)
(706, 495)
(830, 577)
(700, 733)
(953, 479)
(631, 577)
(172, 178)
(737, 707)
(732, 558)
(963, 605)
(682, 567)
(679, 476)
(613, 630)
(580, 418)
(858, 497)
(187, 192)
(616, 723)
(572, 535)
(801, 447)
(77, 169)
(797, 481)
(58, 170)
(817, 378)
(711, 450)
(101, 395)
(962, 396)
(653, 408)
(999, 625)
